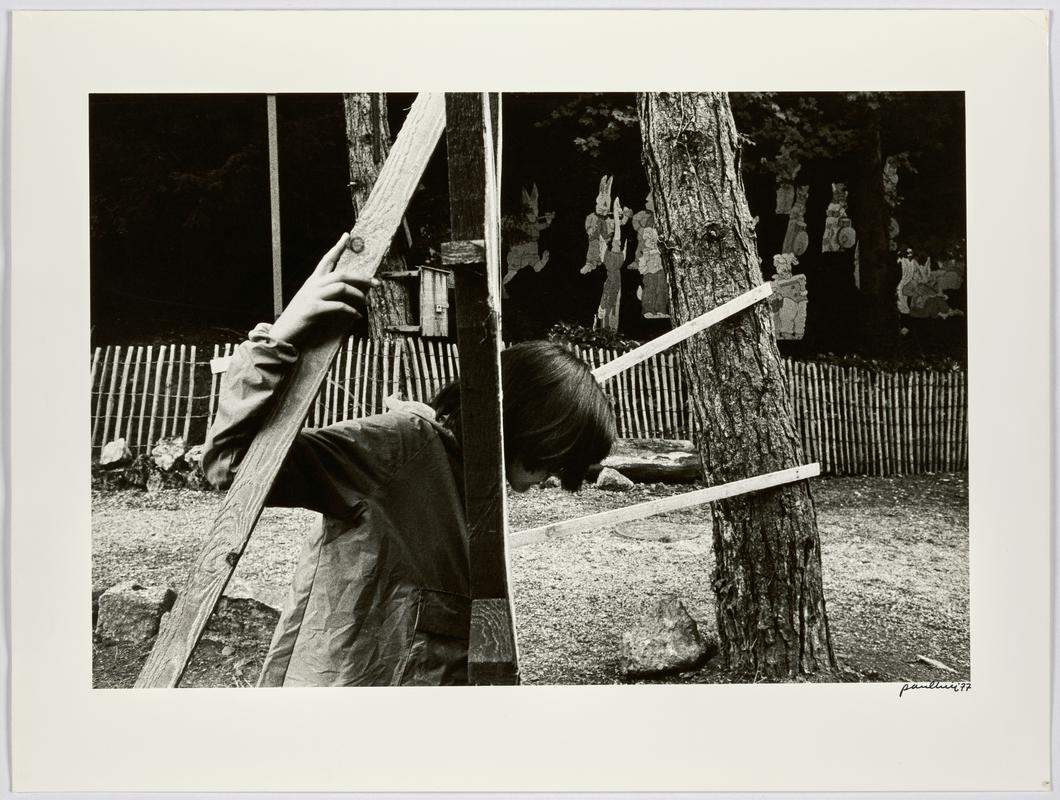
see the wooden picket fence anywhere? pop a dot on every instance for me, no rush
(854, 420)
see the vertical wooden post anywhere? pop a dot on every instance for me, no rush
(491, 654)
(274, 206)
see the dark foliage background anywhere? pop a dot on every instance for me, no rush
(181, 226)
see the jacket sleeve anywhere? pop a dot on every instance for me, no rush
(328, 470)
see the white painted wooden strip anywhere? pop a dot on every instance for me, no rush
(663, 505)
(682, 332)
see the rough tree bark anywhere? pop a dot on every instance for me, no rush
(368, 142)
(767, 578)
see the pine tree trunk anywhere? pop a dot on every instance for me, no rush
(767, 577)
(368, 141)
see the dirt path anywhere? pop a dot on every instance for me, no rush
(895, 554)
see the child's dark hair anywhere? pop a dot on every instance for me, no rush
(556, 416)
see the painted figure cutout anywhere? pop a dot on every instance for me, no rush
(599, 227)
(795, 239)
(614, 258)
(789, 299)
(839, 234)
(654, 293)
(523, 231)
(922, 291)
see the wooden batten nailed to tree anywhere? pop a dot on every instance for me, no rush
(767, 578)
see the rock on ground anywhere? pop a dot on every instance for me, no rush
(613, 481)
(130, 611)
(655, 460)
(167, 452)
(193, 457)
(667, 640)
(115, 454)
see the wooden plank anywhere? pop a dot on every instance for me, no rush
(492, 654)
(191, 395)
(140, 444)
(97, 418)
(182, 357)
(114, 364)
(242, 506)
(132, 396)
(95, 363)
(347, 387)
(163, 428)
(274, 205)
(120, 417)
(663, 505)
(682, 332)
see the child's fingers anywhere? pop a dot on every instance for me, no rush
(328, 307)
(361, 284)
(340, 290)
(331, 257)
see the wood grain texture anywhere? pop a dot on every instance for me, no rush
(274, 204)
(491, 651)
(664, 505)
(493, 659)
(242, 506)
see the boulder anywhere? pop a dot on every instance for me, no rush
(613, 481)
(655, 460)
(168, 452)
(115, 454)
(551, 482)
(130, 611)
(667, 640)
(193, 458)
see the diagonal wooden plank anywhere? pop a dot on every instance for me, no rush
(682, 332)
(663, 505)
(231, 531)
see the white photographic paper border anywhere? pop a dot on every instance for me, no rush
(68, 737)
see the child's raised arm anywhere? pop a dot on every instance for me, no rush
(259, 365)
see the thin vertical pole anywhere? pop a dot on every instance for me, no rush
(115, 363)
(179, 391)
(143, 398)
(191, 395)
(132, 397)
(274, 206)
(100, 393)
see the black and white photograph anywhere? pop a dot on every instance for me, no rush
(537, 400)
(731, 330)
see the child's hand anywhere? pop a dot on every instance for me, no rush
(326, 295)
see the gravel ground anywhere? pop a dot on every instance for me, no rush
(895, 554)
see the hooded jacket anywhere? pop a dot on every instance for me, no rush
(380, 595)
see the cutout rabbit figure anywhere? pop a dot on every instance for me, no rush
(523, 231)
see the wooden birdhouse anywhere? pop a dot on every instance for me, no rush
(434, 302)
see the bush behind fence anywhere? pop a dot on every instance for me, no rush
(854, 420)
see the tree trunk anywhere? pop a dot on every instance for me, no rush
(368, 142)
(878, 266)
(767, 576)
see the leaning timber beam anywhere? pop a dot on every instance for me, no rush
(664, 504)
(682, 332)
(369, 242)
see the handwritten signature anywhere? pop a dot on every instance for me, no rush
(953, 686)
